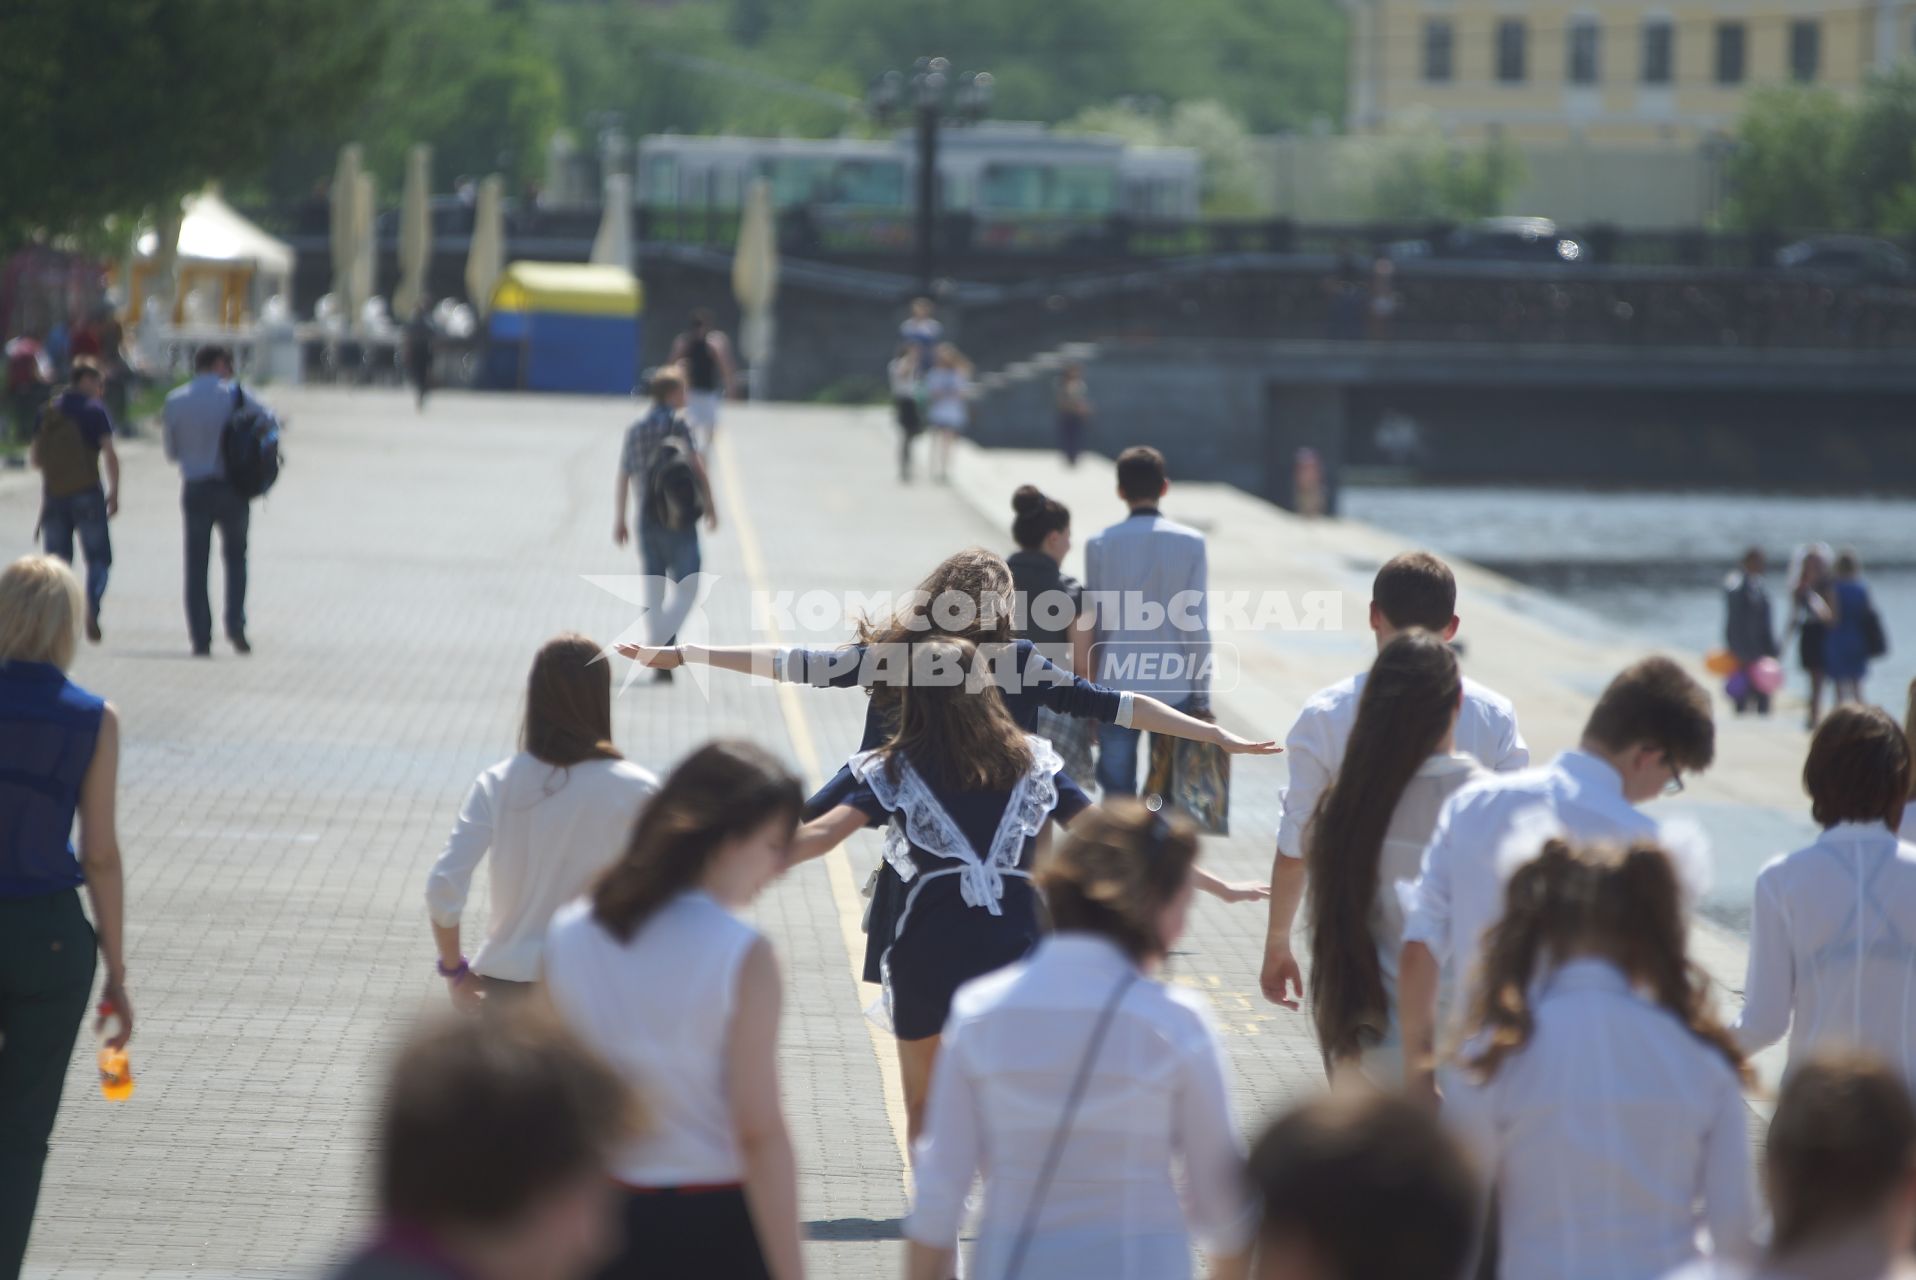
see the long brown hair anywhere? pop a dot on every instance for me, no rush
(976, 582)
(721, 792)
(1621, 903)
(1406, 710)
(1842, 1143)
(568, 703)
(952, 721)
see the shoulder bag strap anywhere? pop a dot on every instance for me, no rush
(1056, 1151)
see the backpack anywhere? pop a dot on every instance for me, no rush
(671, 486)
(249, 446)
(67, 462)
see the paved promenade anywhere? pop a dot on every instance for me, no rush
(279, 812)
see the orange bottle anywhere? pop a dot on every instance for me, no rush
(116, 1069)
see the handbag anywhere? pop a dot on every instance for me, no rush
(1192, 777)
(1056, 1151)
(1875, 642)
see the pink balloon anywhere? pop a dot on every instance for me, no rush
(1766, 675)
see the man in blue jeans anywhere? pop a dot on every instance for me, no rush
(194, 419)
(1145, 580)
(73, 436)
(662, 464)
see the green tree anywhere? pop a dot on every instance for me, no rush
(1878, 158)
(115, 106)
(1232, 175)
(1787, 170)
(1415, 174)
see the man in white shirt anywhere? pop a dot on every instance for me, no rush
(1145, 580)
(1651, 726)
(1415, 589)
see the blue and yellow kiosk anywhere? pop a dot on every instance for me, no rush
(564, 326)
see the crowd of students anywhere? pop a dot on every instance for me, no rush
(1530, 1077)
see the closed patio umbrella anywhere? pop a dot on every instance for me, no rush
(755, 282)
(486, 257)
(612, 247)
(345, 229)
(415, 233)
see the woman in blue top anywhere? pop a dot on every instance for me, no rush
(964, 793)
(59, 757)
(1846, 645)
(969, 597)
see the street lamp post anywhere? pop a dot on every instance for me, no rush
(933, 96)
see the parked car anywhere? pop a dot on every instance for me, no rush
(1496, 240)
(1853, 257)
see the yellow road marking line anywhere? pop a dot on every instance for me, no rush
(838, 868)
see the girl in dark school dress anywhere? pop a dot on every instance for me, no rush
(963, 793)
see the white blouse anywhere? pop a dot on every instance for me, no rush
(1611, 1137)
(1833, 948)
(658, 1009)
(1156, 1102)
(551, 830)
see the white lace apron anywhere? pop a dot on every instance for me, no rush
(919, 821)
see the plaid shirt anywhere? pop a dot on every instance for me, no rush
(643, 438)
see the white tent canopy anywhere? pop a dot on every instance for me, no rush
(212, 231)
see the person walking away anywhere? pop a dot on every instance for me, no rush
(1331, 1170)
(1414, 589)
(1603, 1100)
(1140, 565)
(553, 817)
(1371, 827)
(1078, 1083)
(705, 358)
(1650, 726)
(490, 1159)
(419, 339)
(1074, 412)
(59, 760)
(710, 1188)
(1749, 632)
(29, 382)
(662, 462)
(905, 390)
(193, 421)
(964, 792)
(1046, 610)
(1855, 632)
(923, 330)
(1840, 1167)
(948, 395)
(1809, 618)
(1833, 931)
(74, 437)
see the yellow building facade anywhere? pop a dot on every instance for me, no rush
(1606, 71)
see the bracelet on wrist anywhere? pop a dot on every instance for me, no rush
(458, 971)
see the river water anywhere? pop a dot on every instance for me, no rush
(1652, 565)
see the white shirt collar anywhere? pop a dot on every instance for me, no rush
(1587, 973)
(1091, 950)
(1854, 832)
(1443, 764)
(1592, 772)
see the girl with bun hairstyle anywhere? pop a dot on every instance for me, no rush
(1604, 1098)
(1048, 610)
(1075, 1079)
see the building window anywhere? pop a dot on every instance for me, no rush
(1585, 36)
(1510, 50)
(1438, 35)
(1806, 49)
(1729, 52)
(1659, 51)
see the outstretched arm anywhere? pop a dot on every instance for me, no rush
(1229, 890)
(746, 659)
(824, 833)
(1160, 717)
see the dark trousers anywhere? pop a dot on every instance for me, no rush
(705, 1234)
(82, 515)
(47, 956)
(207, 504)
